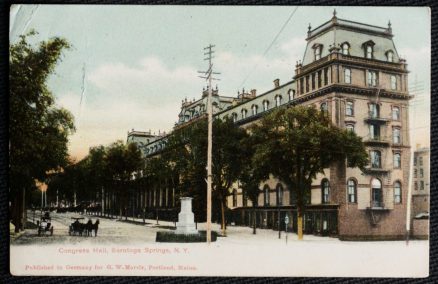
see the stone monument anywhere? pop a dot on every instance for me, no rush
(186, 219)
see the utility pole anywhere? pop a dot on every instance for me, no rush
(208, 76)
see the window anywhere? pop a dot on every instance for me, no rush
(376, 159)
(376, 193)
(266, 195)
(397, 193)
(319, 79)
(234, 198)
(393, 82)
(415, 173)
(277, 100)
(244, 112)
(351, 187)
(396, 139)
(420, 161)
(415, 161)
(234, 117)
(421, 173)
(279, 194)
(421, 185)
(317, 52)
(313, 81)
(265, 105)
(347, 75)
(374, 132)
(372, 78)
(325, 189)
(369, 51)
(307, 84)
(345, 49)
(416, 185)
(395, 113)
(397, 160)
(350, 127)
(254, 109)
(390, 56)
(325, 76)
(349, 108)
(302, 86)
(374, 110)
(324, 107)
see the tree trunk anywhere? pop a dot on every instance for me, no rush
(224, 232)
(300, 225)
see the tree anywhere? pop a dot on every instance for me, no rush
(121, 162)
(297, 143)
(251, 173)
(226, 157)
(38, 131)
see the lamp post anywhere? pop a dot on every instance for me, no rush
(286, 221)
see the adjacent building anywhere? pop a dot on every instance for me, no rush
(353, 72)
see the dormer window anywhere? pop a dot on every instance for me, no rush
(317, 49)
(265, 105)
(277, 100)
(234, 115)
(345, 48)
(369, 49)
(244, 113)
(254, 109)
(390, 56)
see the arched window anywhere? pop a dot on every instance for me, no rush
(397, 160)
(325, 190)
(396, 139)
(244, 113)
(279, 194)
(345, 48)
(291, 94)
(277, 100)
(376, 193)
(376, 158)
(324, 108)
(234, 115)
(234, 198)
(352, 190)
(254, 109)
(397, 192)
(266, 195)
(395, 113)
(347, 76)
(390, 56)
(265, 105)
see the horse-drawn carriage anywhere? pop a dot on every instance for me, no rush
(77, 228)
(45, 225)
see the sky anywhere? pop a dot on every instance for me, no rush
(131, 66)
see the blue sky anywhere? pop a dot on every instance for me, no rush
(132, 65)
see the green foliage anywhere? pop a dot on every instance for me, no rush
(295, 144)
(38, 130)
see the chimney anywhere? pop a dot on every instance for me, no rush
(253, 93)
(276, 83)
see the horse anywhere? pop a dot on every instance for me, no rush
(90, 227)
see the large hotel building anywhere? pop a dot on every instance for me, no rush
(353, 72)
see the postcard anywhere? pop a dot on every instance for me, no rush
(219, 141)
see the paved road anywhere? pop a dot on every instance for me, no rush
(110, 231)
